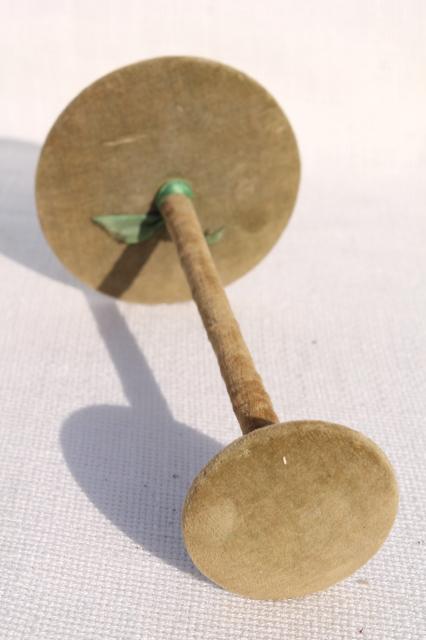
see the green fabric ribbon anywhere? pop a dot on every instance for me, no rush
(179, 186)
(132, 229)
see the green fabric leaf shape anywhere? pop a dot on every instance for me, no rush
(214, 236)
(130, 229)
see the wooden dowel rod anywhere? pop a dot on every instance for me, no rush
(249, 399)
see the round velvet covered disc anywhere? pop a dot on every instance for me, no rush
(290, 509)
(123, 136)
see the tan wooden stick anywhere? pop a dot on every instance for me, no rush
(250, 401)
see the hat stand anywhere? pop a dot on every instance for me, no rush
(288, 508)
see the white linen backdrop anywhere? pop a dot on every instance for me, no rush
(109, 410)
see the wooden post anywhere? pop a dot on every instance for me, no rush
(249, 399)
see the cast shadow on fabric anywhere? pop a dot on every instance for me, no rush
(135, 463)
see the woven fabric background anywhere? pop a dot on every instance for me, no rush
(109, 410)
